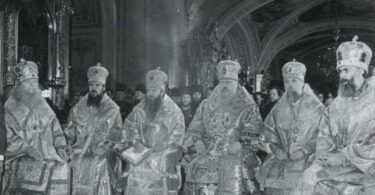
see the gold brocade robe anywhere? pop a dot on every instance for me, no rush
(40, 130)
(219, 125)
(290, 127)
(348, 127)
(89, 130)
(163, 134)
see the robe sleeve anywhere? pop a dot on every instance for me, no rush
(178, 130)
(70, 130)
(361, 153)
(270, 135)
(16, 145)
(325, 142)
(308, 144)
(116, 130)
(130, 132)
(196, 129)
(59, 140)
(173, 152)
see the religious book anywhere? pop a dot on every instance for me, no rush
(133, 157)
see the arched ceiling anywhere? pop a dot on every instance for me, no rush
(257, 30)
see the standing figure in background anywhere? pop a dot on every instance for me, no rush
(94, 127)
(345, 148)
(273, 96)
(290, 132)
(259, 99)
(197, 96)
(120, 101)
(155, 125)
(187, 110)
(176, 95)
(140, 93)
(36, 154)
(129, 102)
(186, 107)
(222, 131)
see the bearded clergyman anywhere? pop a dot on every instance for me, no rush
(290, 132)
(94, 128)
(36, 154)
(345, 148)
(221, 135)
(156, 125)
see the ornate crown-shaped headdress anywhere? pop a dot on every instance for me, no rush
(97, 73)
(156, 79)
(353, 53)
(25, 70)
(294, 69)
(228, 69)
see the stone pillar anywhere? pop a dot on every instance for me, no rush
(10, 46)
(2, 72)
(60, 60)
(109, 40)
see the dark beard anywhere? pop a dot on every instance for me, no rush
(152, 106)
(94, 100)
(348, 89)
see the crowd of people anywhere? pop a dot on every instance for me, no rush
(222, 140)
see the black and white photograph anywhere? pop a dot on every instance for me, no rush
(187, 97)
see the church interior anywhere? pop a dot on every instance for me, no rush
(187, 97)
(185, 38)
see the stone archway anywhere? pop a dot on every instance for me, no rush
(294, 34)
